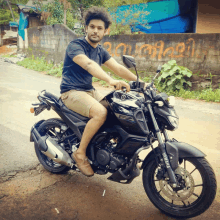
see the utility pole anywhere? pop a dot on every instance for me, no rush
(10, 9)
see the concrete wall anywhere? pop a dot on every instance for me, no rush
(49, 41)
(198, 52)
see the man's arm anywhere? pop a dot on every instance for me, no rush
(120, 70)
(94, 69)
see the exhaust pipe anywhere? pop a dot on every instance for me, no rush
(51, 148)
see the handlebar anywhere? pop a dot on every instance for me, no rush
(138, 86)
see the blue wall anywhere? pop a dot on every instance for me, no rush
(169, 16)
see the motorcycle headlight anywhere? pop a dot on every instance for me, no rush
(173, 121)
(171, 100)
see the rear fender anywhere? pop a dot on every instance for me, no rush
(36, 125)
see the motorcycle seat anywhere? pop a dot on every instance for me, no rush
(51, 96)
(64, 108)
(67, 110)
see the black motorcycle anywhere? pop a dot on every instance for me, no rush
(177, 178)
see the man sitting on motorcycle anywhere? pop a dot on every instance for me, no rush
(83, 60)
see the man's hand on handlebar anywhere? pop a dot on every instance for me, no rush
(148, 85)
(119, 85)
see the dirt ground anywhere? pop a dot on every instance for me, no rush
(38, 194)
(4, 50)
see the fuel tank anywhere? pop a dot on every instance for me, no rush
(126, 107)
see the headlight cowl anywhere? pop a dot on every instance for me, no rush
(174, 122)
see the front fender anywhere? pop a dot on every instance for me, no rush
(187, 150)
(182, 150)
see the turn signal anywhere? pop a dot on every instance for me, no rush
(32, 110)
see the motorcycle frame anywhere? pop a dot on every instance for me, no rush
(75, 121)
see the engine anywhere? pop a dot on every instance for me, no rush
(107, 159)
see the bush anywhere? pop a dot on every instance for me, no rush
(174, 77)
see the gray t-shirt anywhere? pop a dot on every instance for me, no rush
(74, 76)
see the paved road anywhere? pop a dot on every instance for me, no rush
(199, 126)
(199, 121)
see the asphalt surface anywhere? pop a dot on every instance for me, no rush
(35, 194)
(19, 88)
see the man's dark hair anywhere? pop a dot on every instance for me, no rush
(98, 13)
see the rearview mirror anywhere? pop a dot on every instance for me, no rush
(129, 61)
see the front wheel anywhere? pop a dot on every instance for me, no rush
(194, 196)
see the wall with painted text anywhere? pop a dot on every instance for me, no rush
(198, 52)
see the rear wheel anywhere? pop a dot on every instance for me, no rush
(53, 128)
(194, 196)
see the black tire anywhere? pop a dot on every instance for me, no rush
(201, 195)
(43, 129)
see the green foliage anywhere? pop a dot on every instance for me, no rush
(5, 13)
(56, 10)
(75, 14)
(56, 70)
(41, 65)
(70, 20)
(81, 5)
(78, 8)
(38, 64)
(208, 95)
(174, 77)
(8, 55)
(5, 16)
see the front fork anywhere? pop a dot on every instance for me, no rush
(162, 147)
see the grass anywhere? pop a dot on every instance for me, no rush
(40, 64)
(208, 94)
(8, 56)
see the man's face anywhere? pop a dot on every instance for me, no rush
(95, 31)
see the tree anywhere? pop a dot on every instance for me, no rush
(9, 10)
(68, 12)
(82, 5)
(66, 5)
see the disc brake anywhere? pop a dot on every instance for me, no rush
(186, 182)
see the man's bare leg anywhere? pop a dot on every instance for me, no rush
(98, 114)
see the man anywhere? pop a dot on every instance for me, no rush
(83, 60)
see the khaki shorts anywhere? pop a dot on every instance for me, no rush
(81, 101)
